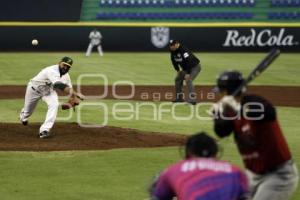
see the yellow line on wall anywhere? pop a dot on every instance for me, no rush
(152, 24)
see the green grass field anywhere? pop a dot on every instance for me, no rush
(122, 173)
(146, 68)
(98, 174)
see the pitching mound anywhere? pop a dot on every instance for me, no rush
(69, 136)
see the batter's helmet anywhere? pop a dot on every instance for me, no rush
(229, 81)
(201, 145)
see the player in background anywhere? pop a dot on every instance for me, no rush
(188, 67)
(253, 120)
(43, 86)
(95, 40)
(200, 175)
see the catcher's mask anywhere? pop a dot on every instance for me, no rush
(229, 81)
(201, 145)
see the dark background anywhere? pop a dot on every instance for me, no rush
(74, 37)
(40, 10)
(71, 38)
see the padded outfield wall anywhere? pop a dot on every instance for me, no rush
(64, 36)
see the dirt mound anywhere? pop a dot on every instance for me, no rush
(69, 136)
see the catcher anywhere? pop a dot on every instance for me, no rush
(200, 176)
(45, 86)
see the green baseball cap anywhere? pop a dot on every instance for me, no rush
(67, 61)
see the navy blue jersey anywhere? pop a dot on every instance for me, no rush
(184, 58)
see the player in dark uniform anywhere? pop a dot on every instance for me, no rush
(200, 175)
(259, 138)
(188, 67)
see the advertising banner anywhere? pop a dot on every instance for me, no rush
(156, 38)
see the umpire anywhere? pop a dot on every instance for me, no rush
(188, 67)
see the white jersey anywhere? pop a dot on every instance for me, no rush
(95, 37)
(39, 88)
(44, 80)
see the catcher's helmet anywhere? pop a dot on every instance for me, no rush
(229, 81)
(201, 145)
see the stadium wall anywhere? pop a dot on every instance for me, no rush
(40, 10)
(150, 37)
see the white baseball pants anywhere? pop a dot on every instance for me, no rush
(278, 185)
(32, 97)
(90, 48)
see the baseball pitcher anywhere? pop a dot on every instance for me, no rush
(259, 138)
(190, 68)
(44, 86)
(95, 40)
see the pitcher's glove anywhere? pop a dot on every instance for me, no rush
(72, 103)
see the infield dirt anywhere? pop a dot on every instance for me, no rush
(278, 95)
(69, 136)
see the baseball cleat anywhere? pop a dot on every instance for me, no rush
(25, 123)
(44, 134)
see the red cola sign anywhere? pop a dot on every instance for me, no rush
(259, 38)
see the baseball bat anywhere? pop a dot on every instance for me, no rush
(262, 66)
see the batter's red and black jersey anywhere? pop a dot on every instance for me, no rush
(257, 134)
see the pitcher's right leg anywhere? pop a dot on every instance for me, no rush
(52, 103)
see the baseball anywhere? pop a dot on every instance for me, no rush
(34, 42)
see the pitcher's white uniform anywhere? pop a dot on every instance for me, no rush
(40, 87)
(95, 40)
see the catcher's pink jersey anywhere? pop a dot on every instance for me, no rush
(201, 179)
